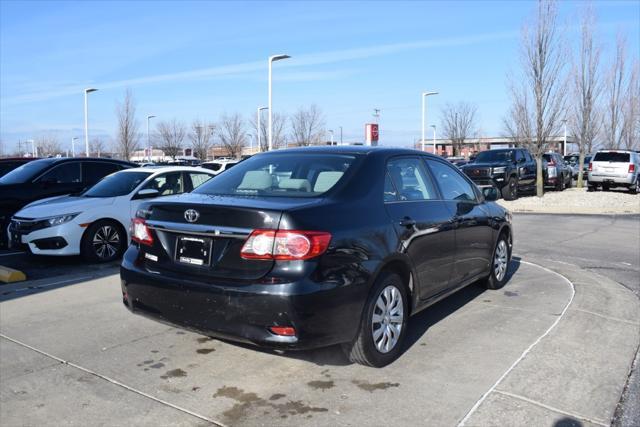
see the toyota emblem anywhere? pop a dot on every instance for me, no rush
(191, 215)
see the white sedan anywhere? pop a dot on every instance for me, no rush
(95, 223)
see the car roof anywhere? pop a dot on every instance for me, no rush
(162, 169)
(352, 149)
(55, 160)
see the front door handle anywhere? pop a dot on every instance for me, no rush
(407, 222)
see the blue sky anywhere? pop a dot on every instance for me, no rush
(200, 59)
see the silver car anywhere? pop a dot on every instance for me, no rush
(615, 168)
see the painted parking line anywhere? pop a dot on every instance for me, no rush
(13, 253)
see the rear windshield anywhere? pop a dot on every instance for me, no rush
(26, 172)
(281, 175)
(611, 156)
(494, 156)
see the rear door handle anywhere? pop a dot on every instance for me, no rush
(407, 222)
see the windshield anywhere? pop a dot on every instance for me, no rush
(26, 172)
(611, 156)
(281, 175)
(117, 184)
(494, 156)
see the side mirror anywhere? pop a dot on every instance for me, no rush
(146, 193)
(490, 194)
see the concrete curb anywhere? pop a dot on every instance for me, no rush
(578, 371)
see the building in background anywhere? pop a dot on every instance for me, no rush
(475, 145)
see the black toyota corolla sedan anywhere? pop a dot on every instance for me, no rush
(311, 247)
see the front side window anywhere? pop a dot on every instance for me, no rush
(166, 184)
(281, 175)
(66, 173)
(519, 156)
(95, 171)
(410, 179)
(452, 184)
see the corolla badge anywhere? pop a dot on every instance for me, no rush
(191, 215)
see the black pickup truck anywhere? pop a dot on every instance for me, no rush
(510, 170)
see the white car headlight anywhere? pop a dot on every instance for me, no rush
(60, 219)
(500, 169)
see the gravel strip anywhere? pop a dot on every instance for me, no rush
(577, 201)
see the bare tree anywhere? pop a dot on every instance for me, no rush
(171, 135)
(128, 126)
(201, 137)
(585, 119)
(538, 101)
(232, 134)
(614, 92)
(278, 131)
(459, 123)
(97, 146)
(307, 126)
(631, 111)
(48, 145)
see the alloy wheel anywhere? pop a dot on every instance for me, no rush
(501, 260)
(387, 319)
(106, 242)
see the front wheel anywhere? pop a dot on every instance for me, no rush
(383, 325)
(103, 241)
(510, 191)
(500, 264)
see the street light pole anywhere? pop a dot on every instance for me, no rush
(260, 128)
(340, 135)
(87, 91)
(564, 148)
(149, 138)
(331, 133)
(272, 59)
(434, 138)
(424, 112)
(73, 146)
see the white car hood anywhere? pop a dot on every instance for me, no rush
(63, 205)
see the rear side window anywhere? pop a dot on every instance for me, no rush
(410, 179)
(281, 175)
(198, 178)
(452, 184)
(95, 171)
(65, 173)
(611, 156)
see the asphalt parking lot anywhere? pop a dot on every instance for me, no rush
(553, 347)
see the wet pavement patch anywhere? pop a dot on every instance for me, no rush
(511, 294)
(157, 365)
(205, 350)
(371, 387)
(174, 373)
(321, 385)
(203, 340)
(250, 402)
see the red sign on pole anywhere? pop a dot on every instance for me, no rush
(371, 133)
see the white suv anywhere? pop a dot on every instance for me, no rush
(219, 166)
(615, 168)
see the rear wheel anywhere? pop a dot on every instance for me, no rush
(560, 183)
(383, 325)
(635, 189)
(605, 187)
(103, 241)
(591, 187)
(499, 264)
(510, 191)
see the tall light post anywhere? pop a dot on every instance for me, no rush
(564, 148)
(259, 116)
(73, 146)
(424, 111)
(331, 133)
(272, 59)
(434, 138)
(340, 135)
(34, 149)
(149, 138)
(250, 142)
(87, 91)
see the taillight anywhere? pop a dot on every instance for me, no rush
(632, 168)
(285, 244)
(590, 166)
(140, 232)
(286, 331)
(551, 163)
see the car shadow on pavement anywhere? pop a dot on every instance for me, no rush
(418, 326)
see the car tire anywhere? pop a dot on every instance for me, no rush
(591, 187)
(104, 241)
(499, 264)
(605, 187)
(560, 183)
(635, 189)
(369, 348)
(510, 191)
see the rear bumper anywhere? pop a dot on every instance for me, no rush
(629, 179)
(322, 314)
